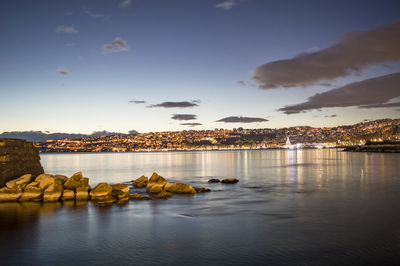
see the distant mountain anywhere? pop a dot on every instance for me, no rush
(39, 136)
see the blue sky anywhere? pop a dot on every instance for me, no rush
(57, 73)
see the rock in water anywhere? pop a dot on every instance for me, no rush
(101, 190)
(105, 201)
(123, 200)
(136, 196)
(179, 188)
(82, 193)
(68, 194)
(19, 182)
(202, 189)
(61, 178)
(10, 194)
(32, 193)
(53, 192)
(141, 181)
(214, 180)
(155, 184)
(164, 195)
(120, 190)
(230, 181)
(75, 181)
(44, 180)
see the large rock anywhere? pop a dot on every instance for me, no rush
(10, 194)
(214, 180)
(155, 183)
(180, 188)
(202, 189)
(136, 196)
(75, 181)
(100, 191)
(44, 181)
(104, 201)
(120, 190)
(123, 199)
(68, 194)
(141, 181)
(32, 193)
(164, 195)
(20, 182)
(230, 181)
(53, 192)
(82, 193)
(61, 178)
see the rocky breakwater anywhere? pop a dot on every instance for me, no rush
(48, 188)
(17, 158)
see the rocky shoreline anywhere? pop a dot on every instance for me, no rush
(375, 148)
(54, 188)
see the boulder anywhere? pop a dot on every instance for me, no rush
(82, 193)
(32, 193)
(19, 182)
(53, 192)
(68, 194)
(230, 181)
(10, 194)
(168, 186)
(75, 181)
(140, 182)
(61, 178)
(180, 188)
(120, 190)
(32, 184)
(104, 201)
(136, 196)
(155, 181)
(202, 189)
(163, 195)
(123, 200)
(214, 180)
(155, 189)
(44, 181)
(100, 191)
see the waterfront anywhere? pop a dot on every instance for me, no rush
(320, 206)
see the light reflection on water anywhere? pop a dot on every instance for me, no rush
(290, 207)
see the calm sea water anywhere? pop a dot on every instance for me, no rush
(306, 207)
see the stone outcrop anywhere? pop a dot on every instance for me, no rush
(141, 181)
(53, 192)
(100, 191)
(105, 201)
(20, 182)
(10, 194)
(45, 181)
(82, 193)
(230, 181)
(156, 183)
(136, 196)
(214, 180)
(179, 188)
(75, 181)
(68, 194)
(163, 195)
(32, 193)
(202, 189)
(119, 189)
(17, 158)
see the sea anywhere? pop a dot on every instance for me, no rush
(290, 207)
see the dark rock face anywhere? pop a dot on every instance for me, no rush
(230, 181)
(17, 158)
(214, 180)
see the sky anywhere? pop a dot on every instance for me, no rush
(79, 66)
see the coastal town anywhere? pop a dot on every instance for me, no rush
(237, 138)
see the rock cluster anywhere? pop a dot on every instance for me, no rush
(48, 188)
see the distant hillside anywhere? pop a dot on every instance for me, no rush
(39, 136)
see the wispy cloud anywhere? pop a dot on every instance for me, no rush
(370, 93)
(66, 29)
(118, 45)
(63, 73)
(125, 3)
(184, 104)
(191, 124)
(95, 15)
(227, 4)
(242, 119)
(184, 117)
(353, 52)
(137, 101)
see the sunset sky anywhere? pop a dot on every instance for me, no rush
(79, 66)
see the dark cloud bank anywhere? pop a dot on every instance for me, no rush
(184, 104)
(191, 124)
(370, 93)
(137, 101)
(184, 117)
(354, 51)
(242, 119)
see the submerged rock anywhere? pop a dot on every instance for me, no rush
(105, 201)
(155, 183)
(136, 196)
(82, 193)
(179, 188)
(100, 191)
(53, 192)
(164, 195)
(230, 181)
(10, 194)
(141, 181)
(19, 182)
(120, 190)
(123, 200)
(68, 194)
(32, 193)
(202, 189)
(214, 180)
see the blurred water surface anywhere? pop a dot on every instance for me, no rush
(306, 207)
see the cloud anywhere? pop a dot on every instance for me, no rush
(241, 83)
(354, 51)
(118, 45)
(381, 105)
(66, 29)
(227, 4)
(184, 104)
(63, 73)
(191, 124)
(92, 14)
(327, 116)
(125, 3)
(369, 93)
(242, 119)
(136, 101)
(184, 117)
